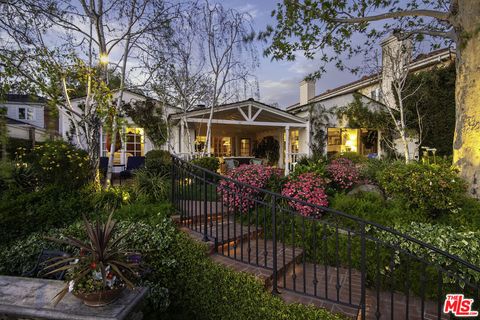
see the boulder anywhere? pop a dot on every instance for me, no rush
(371, 188)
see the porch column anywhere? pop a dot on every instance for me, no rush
(287, 150)
(307, 139)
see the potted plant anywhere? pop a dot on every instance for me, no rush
(101, 270)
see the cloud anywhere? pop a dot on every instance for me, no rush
(250, 9)
(285, 91)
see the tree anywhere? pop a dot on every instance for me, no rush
(52, 63)
(177, 64)
(326, 27)
(227, 34)
(207, 59)
(392, 77)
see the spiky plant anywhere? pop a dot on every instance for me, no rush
(101, 252)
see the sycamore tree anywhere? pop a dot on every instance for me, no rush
(326, 29)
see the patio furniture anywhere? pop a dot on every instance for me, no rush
(231, 164)
(256, 161)
(43, 261)
(133, 163)
(103, 166)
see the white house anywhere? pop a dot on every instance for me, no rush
(27, 117)
(238, 127)
(134, 141)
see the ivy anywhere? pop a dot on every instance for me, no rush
(149, 115)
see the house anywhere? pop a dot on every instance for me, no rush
(29, 118)
(339, 137)
(132, 140)
(238, 127)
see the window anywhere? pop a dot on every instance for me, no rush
(26, 114)
(200, 143)
(376, 94)
(134, 142)
(244, 147)
(342, 140)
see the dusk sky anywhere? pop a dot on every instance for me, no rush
(279, 80)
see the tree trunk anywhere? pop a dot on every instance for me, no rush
(466, 144)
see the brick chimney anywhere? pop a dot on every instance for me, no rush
(307, 91)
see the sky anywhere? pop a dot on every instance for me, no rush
(279, 81)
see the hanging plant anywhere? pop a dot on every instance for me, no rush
(269, 149)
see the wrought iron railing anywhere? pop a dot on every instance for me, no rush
(329, 255)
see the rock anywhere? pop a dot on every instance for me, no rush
(371, 188)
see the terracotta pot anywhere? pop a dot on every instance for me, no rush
(100, 298)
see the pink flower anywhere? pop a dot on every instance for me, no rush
(344, 173)
(240, 197)
(307, 187)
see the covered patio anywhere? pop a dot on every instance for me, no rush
(238, 128)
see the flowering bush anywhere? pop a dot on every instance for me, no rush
(343, 172)
(243, 198)
(433, 188)
(307, 187)
(55, 162)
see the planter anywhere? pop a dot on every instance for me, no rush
(100, 298)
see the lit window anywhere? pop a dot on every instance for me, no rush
(244, 147)
(200, 143)
(134, 142)
(26, 114)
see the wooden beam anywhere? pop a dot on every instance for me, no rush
(243, 114)
(249, 123)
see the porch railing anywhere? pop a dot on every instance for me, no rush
(324, 254)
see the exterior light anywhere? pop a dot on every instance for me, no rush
(104, 58)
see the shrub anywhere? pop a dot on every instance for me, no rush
(154, 242)
(317, 166)
(209, 163)
(151, 213)
(343, 172)
(158, 161)
(369, 170)
(307, 187)
(373, 207)
(7, 170)
(150, 185)
(22, 214)
(463, 244)
(111, 198)
(436, 189)
(207, 290)
(240, 197)
(56, 162)
(355, 157)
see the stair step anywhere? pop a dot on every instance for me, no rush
(258, 252)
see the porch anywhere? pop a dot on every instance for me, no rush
(237, 132)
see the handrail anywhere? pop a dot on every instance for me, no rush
(339, 213)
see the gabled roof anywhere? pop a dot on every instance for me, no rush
(25, 98)
(246, 111)
(421, 61)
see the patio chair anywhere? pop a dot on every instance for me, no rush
(256, 161)
(43, 261)
(133, 163)
(103, 166)
(231, 164)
